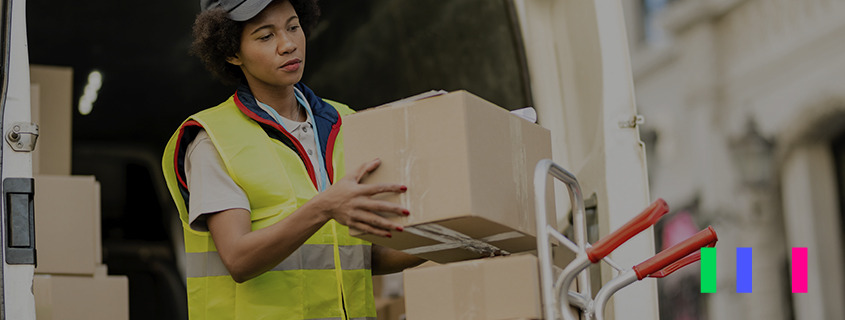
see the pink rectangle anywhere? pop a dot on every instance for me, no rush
(799, 270)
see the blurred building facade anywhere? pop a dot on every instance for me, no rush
(744, 102)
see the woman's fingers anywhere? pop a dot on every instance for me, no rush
(373, 189)
(370, 229)
(366, 168)
(358, 209)
(372, 223)
(381, 206)
(375, 220)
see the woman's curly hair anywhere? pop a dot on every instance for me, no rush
(217, 38)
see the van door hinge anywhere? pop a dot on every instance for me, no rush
(22, 136)
(633, 122)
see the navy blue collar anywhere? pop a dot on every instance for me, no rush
(323, 112)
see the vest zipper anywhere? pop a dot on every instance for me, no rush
(338, 272)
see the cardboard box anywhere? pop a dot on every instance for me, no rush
(468, 165)
(52, 109)
(485, 289)
(97, 297)
(378, 286)
(390, 308)
(67, 225)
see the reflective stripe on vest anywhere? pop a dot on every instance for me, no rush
(307, 257)
(308, 284)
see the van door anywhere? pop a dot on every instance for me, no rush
(583, 90)
(17, 227)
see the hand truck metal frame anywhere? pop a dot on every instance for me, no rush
(658, 266)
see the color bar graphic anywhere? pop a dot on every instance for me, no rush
(743, 270)
(799, 270)
(708, 270)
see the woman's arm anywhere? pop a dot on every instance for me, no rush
(247, 254)
(387, 260)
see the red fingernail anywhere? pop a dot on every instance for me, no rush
(405, 212)
(389, 235)
(403, 188)
(400, 229)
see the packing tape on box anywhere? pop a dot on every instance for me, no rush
(519, 168)
(451, 239)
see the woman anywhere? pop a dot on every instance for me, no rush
(257, 181)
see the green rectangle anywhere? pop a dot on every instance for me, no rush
(708, 270)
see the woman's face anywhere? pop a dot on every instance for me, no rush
(272, 51)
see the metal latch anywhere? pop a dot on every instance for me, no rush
(22, 136)
(19, 215)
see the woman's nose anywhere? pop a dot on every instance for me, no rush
(286, 45)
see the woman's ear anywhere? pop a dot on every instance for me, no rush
(234, 60)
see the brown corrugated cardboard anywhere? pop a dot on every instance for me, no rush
(390, 308)
(52, 109)
(81, 297)
(468, 165)
(378, 286)
(382, 305)
(485, 289)
(67, 224)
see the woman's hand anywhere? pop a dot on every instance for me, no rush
(349, 202)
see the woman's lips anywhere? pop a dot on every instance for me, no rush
(292, 65)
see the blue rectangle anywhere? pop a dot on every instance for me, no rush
(743, 270)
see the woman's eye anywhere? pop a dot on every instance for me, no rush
(294, 27)
(265, 37)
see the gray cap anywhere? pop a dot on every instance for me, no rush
(239, 10)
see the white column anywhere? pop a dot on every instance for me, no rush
(811, 214)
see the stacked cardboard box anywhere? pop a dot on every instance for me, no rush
(492, 288)
(70, 281)
(81, 297)
(67, 224)
(469, 168)
(392, 308)
(51, 94)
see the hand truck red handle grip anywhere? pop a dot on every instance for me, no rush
(695, 256)
(645, 219)
(665, 258)
(676, 265)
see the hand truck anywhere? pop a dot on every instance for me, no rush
(658, 266)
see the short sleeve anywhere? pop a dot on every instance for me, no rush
(212, 189)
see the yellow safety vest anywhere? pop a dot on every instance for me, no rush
(328, 277)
